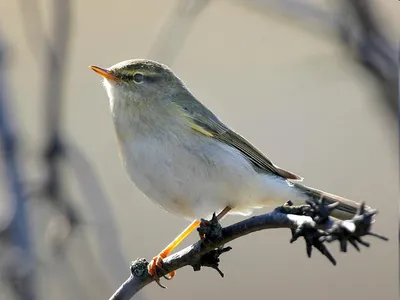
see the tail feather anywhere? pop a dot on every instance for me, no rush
(344, 211)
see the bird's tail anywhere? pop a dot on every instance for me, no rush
(344, 211)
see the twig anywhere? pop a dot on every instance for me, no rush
(109, 246)
(308, 221)
(20, 272)
(57, 54)
(60, 152)
(371, 47)
(175, 31)
(55, 49)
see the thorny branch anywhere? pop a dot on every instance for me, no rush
(311, 221)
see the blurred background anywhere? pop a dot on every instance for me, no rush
(313, 84)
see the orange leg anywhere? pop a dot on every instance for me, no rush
(157, 260)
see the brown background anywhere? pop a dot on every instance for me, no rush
(288, 88)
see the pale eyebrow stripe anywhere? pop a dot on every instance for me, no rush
(150, 76)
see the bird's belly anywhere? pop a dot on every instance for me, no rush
(187, 181)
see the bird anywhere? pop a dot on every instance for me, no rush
(182, 157)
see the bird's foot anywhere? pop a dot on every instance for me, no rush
(157, 261)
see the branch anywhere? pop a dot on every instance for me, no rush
(19, 271)
(311, 221)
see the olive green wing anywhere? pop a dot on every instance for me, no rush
(205, 122)
(254, 155)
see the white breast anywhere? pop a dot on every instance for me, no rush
(195, 181)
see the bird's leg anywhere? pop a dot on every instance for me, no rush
(223, 212)
(157, 260)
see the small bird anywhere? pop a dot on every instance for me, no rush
(185, 159)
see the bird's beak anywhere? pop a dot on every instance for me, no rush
(105, 73)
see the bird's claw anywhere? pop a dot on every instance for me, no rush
(155, 263)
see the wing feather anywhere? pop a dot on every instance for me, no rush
(208, 124)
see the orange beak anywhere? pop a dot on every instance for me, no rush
(105, 73)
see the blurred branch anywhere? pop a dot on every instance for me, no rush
(19, 271)
(58, 151)
(364, 35)
(173, 34)
(398, 112)
(359, 29)
(303, 14)
(56, 49)
(56, 67)
(33, 27)
(311, 221)
(305, 9)
(110, 249)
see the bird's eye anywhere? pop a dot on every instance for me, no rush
(138, 77)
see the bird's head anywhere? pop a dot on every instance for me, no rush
(139, 84)
(145, 97)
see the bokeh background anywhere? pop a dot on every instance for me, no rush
(277, 72)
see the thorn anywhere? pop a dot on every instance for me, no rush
(358, 239)
(295, 235)
(333, 205)
(343, 245)
(226, 249)
(309, 249)
(361, 209)
(384, 238)
(321, 247)
(354, 244)
(371, 213)
(214, 218)
(219, 271)
(332, 260)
